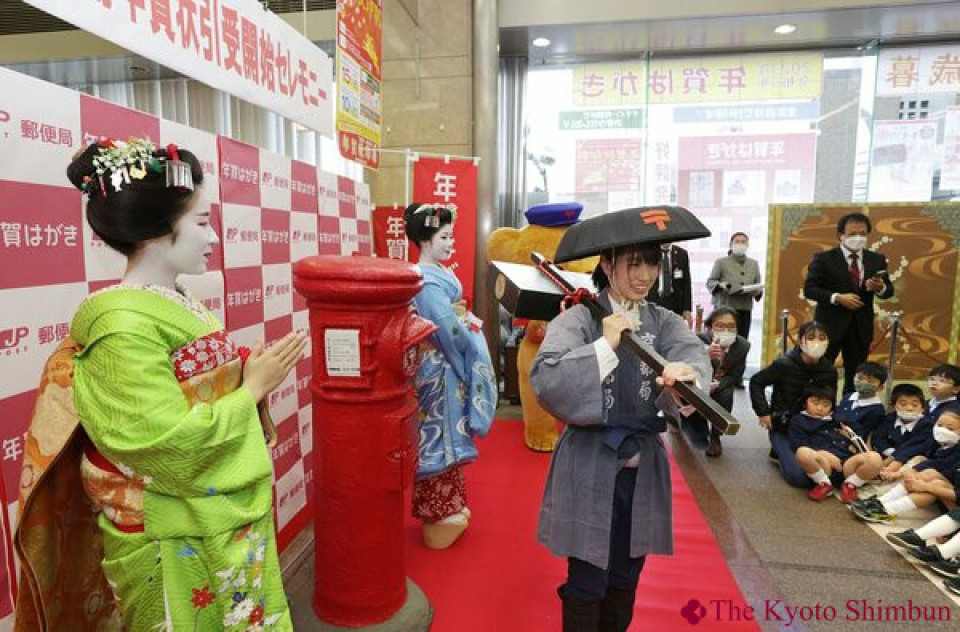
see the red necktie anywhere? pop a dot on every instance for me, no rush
(854, 271)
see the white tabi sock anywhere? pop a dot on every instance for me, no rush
(855, 480)
(951, 548)
(944, 525)
(819, 477)
(900, 505)
(899, 491)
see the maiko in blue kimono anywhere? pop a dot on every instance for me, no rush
(455, 384)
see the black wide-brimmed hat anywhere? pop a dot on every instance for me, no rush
(642, 225)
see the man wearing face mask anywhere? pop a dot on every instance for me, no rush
(843, 281)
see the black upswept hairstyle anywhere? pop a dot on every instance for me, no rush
(142, 209)
(414, 224)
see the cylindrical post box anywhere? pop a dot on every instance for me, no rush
(365, 429)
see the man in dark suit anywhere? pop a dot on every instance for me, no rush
(675, 278)
(843, 281)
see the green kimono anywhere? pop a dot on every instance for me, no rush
(206, 557)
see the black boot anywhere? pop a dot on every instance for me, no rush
(616, 609)
(579, 615)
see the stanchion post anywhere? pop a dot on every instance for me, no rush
(894, 333)
(784, 319)
(698, 323)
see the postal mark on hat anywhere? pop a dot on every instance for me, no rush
(658, 216)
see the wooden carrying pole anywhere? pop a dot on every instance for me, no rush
(692, 394)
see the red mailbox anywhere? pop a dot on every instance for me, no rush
(365, 430)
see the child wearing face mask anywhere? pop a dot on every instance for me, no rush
(909, 433)
(789, 374)
(924, 481)
(862, 410)
(824, 446)
(902, 436)
(728, 357)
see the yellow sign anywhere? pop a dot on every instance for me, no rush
(756, 77)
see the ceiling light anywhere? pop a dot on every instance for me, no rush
(785, 29)
(541, 42)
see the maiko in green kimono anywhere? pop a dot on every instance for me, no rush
(172, 452)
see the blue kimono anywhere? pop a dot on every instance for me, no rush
(455, 384)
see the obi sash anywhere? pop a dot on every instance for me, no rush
(66, 483)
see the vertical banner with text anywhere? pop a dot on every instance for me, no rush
(449, 181)
(359, 45)
(389, 237)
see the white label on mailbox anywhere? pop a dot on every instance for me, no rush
(342, 348)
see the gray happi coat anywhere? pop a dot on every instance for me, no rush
(576, 512)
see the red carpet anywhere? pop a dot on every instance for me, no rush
(498, 578)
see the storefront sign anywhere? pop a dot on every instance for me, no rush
(907, 71)
(699, 80)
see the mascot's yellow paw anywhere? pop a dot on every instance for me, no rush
(540, 442)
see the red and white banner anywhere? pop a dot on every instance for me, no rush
(232, 45)
(265, 207)
(450, 181)
(389, 237)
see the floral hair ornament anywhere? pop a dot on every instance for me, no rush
(432, 211)
(124, 160)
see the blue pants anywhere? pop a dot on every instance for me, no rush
(586, 581)
(790, 469)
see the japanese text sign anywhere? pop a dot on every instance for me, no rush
(440, 181)
(905, 71)
(232, 45)
(699, 80)
(359, 44)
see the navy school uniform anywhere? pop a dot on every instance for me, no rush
(818, 434)
(945, 460)
(920, 441)
(903, 442)
(863, 417)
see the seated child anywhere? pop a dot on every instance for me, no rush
(824, 446)
(924, 481)
(943, 558)
(863, 410)
(943, 384)
(902, 436)
(788, 375)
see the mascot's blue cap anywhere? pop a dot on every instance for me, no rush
(554, 214)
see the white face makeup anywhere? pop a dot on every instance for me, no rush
(440, 246)
(191, 243)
